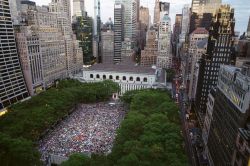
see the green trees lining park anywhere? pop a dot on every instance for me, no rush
(149, 134)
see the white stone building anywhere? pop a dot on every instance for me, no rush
(129, 77)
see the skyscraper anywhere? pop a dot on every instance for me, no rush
(201, 13)
(157, 12)
(144, 16)
(78, 8)
(228, 111)
(61, 6)
(197, 47)
(150, 52)
(219, 51)
(248, 28)
(241, 152)
(212, 6)
(62, 9)
(107, 46)
(130, 19)
(138, 2)
(12, 84)
(83, 29)
(41, 47)
(196, 5)
(164, 59)
(118, 31)
(164, 8)
(13, 10)
(97, 30)
(161, 8)
(205, 6)
(184, 23)
(176, 33)
(144, 25)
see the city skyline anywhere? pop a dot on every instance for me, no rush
(77, 88)
(242, 12)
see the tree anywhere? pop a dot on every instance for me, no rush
(32, 118)
(130, 159)
(149, 134)
(17, 151)
(77, 159)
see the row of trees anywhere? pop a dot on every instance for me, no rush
(149, 135)
(26, 122)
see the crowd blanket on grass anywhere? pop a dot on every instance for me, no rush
(150, 134)
(25, 122)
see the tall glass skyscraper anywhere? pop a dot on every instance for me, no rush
(118, 31)
(12, 84)
(130, 18)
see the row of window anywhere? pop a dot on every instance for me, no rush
(124, 78)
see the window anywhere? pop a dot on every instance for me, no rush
(131, 79)
(138, 79)
(124, 78)
(111, 77)
(104, 77)
(117, 78)
(145, 79)
(91, 76)
(97, 76)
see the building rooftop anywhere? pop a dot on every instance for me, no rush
(127, 68)
(200, 30)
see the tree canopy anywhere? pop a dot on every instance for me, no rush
(27, 121)
(149, 135)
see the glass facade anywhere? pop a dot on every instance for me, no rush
(82, 27)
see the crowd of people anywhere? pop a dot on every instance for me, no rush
(89, 129)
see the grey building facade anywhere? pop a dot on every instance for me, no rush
(229, 113)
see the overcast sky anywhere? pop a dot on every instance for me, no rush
(242, 9)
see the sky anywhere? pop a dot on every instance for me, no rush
(242, 11)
